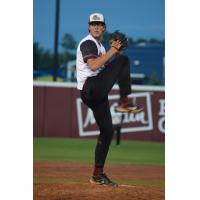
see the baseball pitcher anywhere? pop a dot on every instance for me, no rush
(96, 75)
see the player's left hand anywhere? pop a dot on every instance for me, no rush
(119, 40)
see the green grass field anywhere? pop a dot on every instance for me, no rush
(82, 150)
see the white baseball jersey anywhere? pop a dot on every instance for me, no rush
(87, 48)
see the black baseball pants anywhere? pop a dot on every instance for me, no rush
(95, 96)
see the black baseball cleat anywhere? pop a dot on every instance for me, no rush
(128, 107)
(102, 179)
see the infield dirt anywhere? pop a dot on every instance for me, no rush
(64, 180)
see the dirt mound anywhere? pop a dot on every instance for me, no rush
(64, 180)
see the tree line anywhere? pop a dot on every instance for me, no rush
(43, 59)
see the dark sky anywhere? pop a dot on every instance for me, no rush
(136, 18)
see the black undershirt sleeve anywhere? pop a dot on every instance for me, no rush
(89, 50)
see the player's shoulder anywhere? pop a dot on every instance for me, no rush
(87, 39)
(87, 42)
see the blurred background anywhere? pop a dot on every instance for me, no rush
(59, 25)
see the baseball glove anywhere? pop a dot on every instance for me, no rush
(121, 37)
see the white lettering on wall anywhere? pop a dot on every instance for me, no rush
(161, 124)
(89, 118)
(161, 113)
(162, 107)
(128, 117)
(135, 122)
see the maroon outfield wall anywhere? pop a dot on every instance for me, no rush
(59, 112)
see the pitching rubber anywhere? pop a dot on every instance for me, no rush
(122, 185)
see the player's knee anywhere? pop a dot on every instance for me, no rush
(123, 59)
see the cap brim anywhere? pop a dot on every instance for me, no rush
(96, 21)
